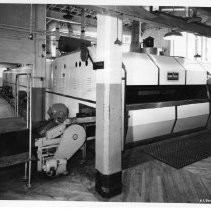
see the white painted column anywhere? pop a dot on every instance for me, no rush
(186, 46)
(39, 14)
(39, 64)
(206, 48)
(109, 107)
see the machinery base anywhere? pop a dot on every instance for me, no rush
(108, 185)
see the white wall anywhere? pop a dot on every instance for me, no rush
(15, 45)
(158, 34)
(187, 46)
(1, 71)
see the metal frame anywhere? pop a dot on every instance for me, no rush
(28, 118)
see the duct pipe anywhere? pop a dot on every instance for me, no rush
(31, 22)
(83, 24)
(135, 45)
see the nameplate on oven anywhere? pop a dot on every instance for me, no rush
(173, 76)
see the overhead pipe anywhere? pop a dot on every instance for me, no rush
(31, 23)
(187, 14)
(83, 24)
(60, 27)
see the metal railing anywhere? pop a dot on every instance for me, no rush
(28, 117)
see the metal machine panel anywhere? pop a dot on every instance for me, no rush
(73, 77)
(191, 116)
(49, 73)
(171, 72)
(207, 67)
(149, 123)
(72, 104)
(140, 69)
(73, 138)
(195, 74)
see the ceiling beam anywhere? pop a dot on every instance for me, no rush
(207, 20)
(137, 13)
(181, 23)
(156, 18)
(131, 12)
(204, 11)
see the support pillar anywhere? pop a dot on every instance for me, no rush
(135, 45)
(39, 14)
(39, 64)
(109, 107)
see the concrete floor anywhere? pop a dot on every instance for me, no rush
(75, 186)
(6, 110)
(144, 180)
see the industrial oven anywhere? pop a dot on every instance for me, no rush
(162, 95)
(10, 87)
(9, 78)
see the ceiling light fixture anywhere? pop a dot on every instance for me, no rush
(197, 56)
(118, 42)
(172, 35)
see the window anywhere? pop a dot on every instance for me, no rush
(126, 40)
(178, 47)
(208, 46)
(190, 45)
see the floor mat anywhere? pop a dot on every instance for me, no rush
(181, 151)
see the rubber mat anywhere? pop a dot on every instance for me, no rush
(181, 151)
